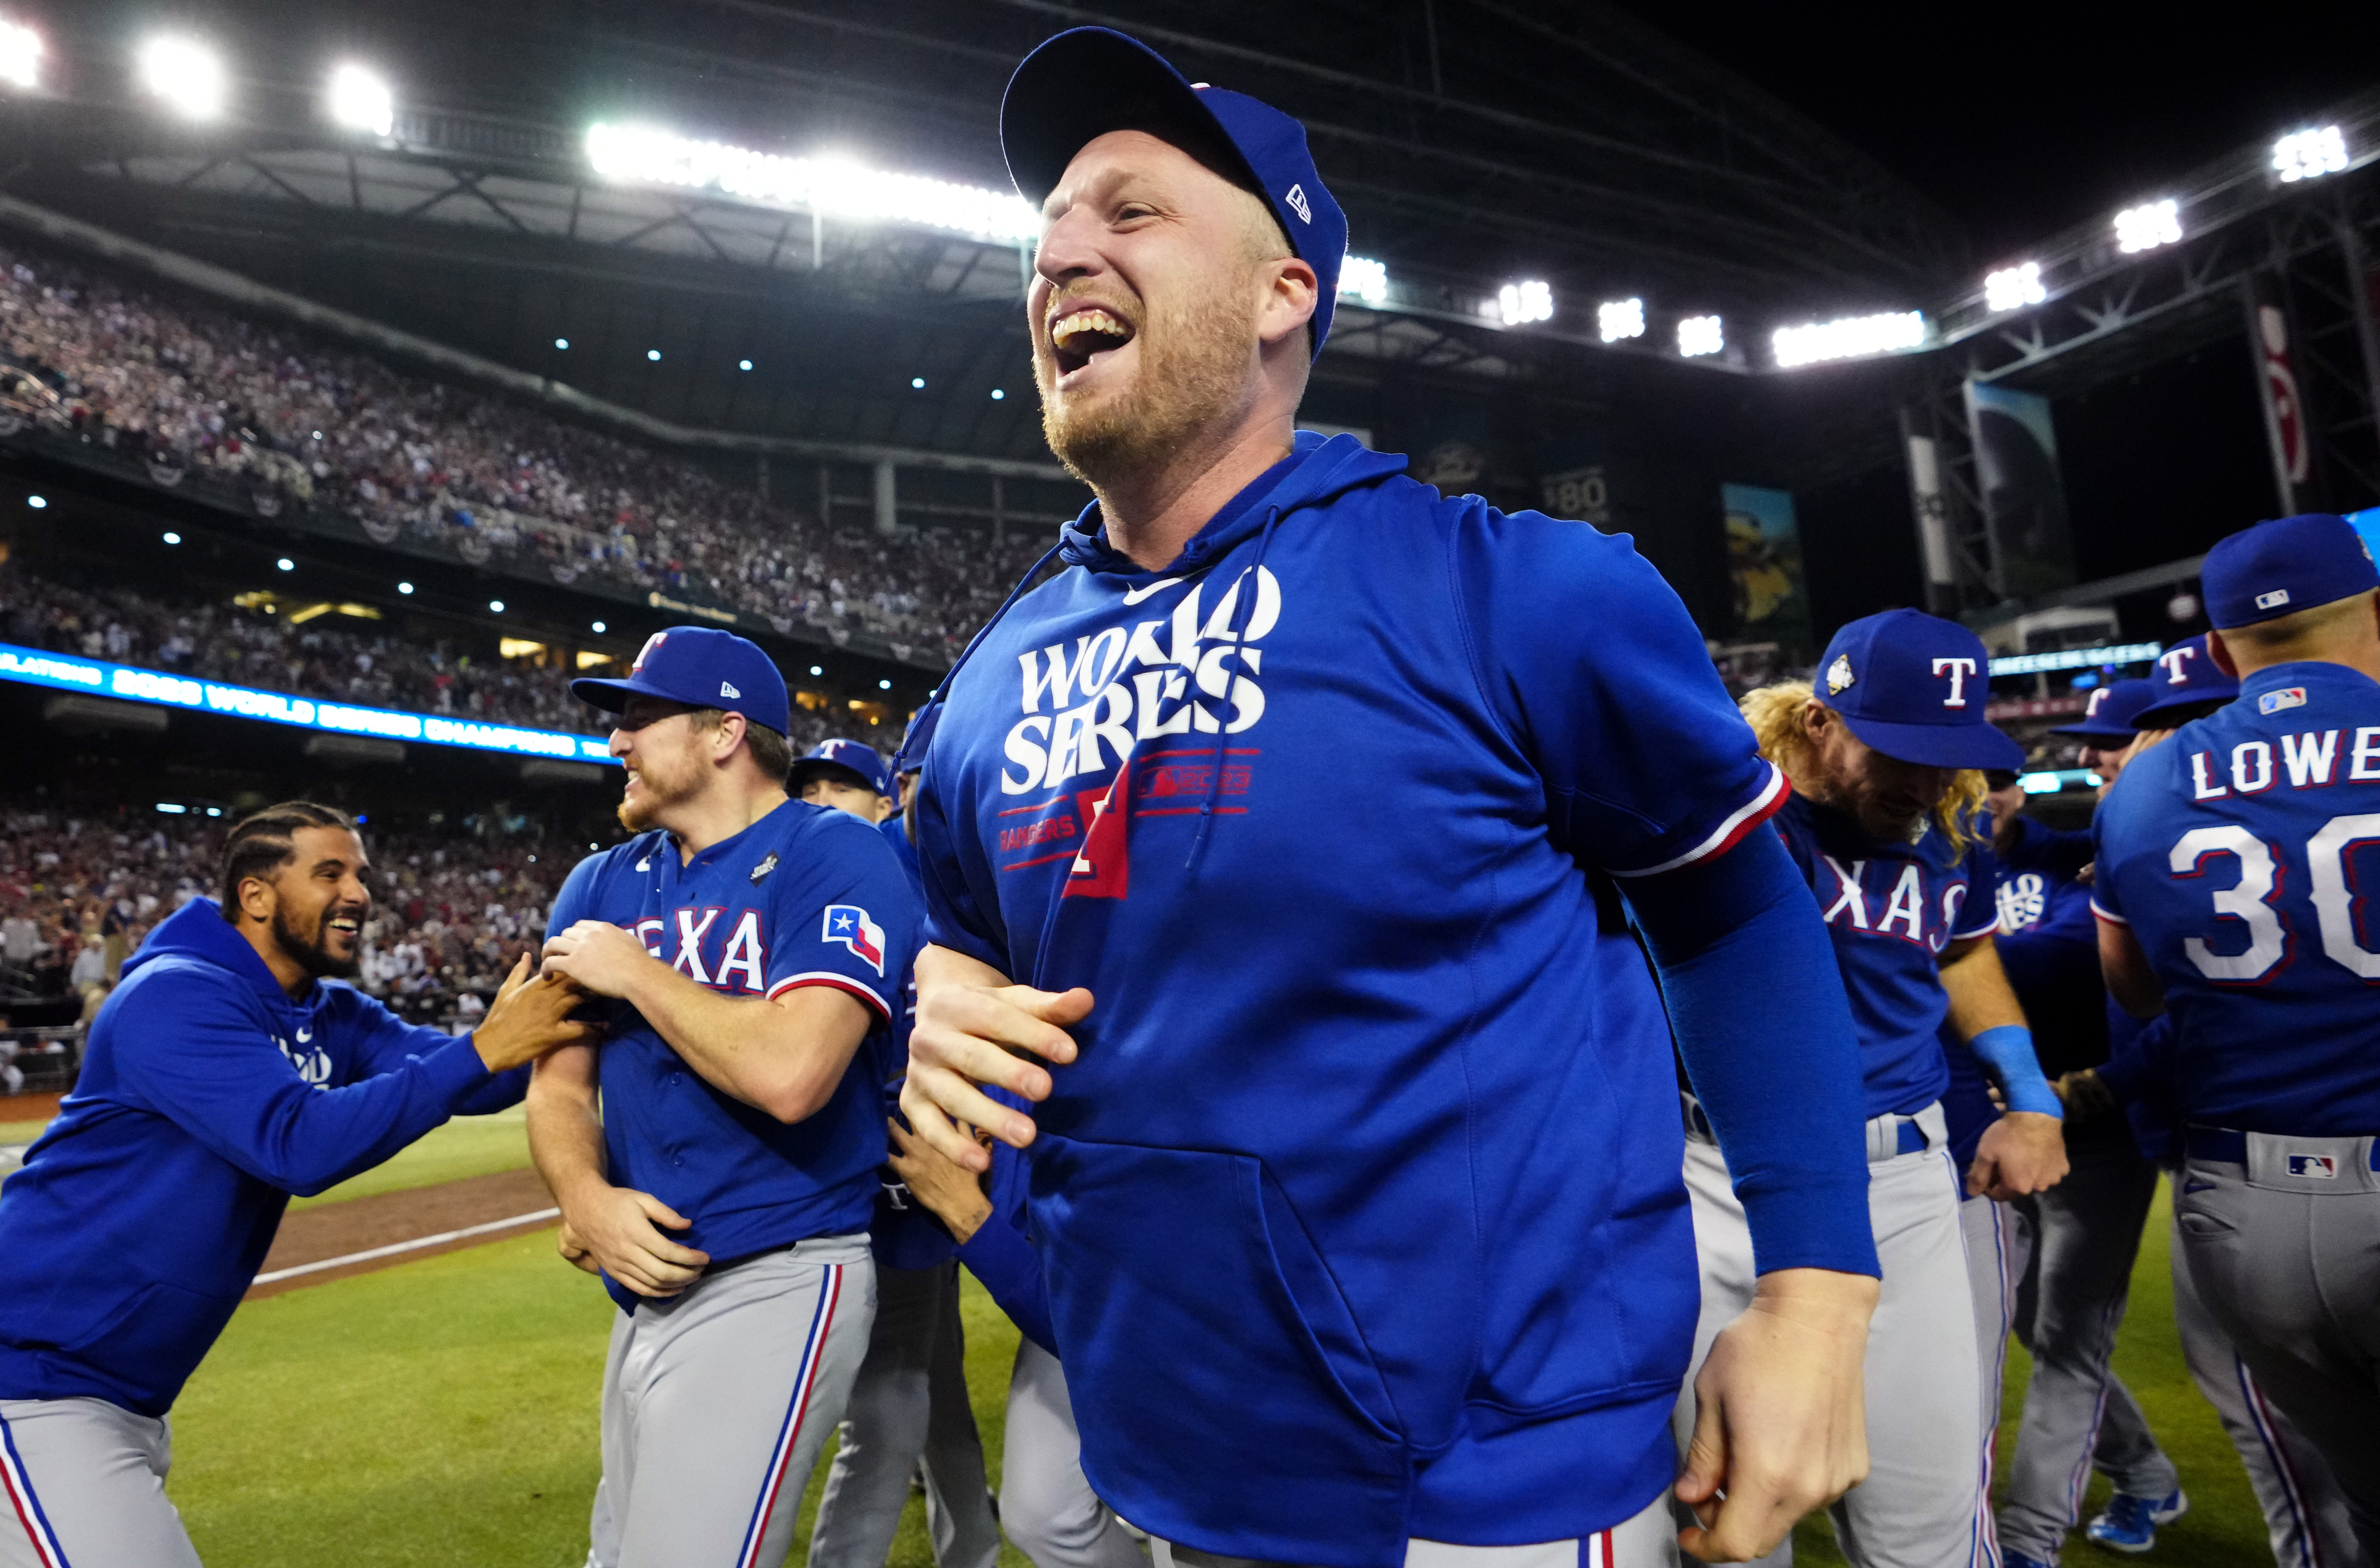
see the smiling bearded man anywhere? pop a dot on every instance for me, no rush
(1341, 1268)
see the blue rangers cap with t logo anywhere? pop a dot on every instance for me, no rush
(1088, 81)
(702, 667)
(2111, 712)
(2280, 568)
(858, 758)
(1913, 687)
(2186, 675)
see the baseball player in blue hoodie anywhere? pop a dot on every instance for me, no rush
(752, 949)
(1355, 1159)
(230, 1070)
(2233, 859)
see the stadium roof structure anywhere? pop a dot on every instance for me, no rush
(1474, 142)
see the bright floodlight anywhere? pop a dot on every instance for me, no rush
(187, 74)
(2302, 154)
(1523, 302)
(361, 101)
(1852, 337)
(1698, 336)
(2012, 288)
(2148, 227)
(1366, 279)
(20, 55)
(833, 187)
(1620, 318)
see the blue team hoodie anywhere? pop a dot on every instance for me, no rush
(208, 1096)
(1360, 1213)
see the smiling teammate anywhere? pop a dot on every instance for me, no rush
(752, 946)
(1884, 757)
(228, 1071)
(1355, 1165)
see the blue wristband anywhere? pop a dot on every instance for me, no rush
(2008, 1052)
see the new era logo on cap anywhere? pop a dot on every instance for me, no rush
(1298, 203)
(727, 690)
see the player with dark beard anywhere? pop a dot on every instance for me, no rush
(223, 1076)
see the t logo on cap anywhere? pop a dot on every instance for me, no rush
(1959, 669)
(653, 644)
(2177, 664)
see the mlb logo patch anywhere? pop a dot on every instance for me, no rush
(2273, 599)
(2321, 1167)
(2287, 697)
(849, 924)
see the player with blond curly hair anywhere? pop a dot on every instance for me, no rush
(1885, 755)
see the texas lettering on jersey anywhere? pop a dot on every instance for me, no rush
(1895, 907)
(733, 961)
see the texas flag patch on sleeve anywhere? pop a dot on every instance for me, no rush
(849, 924)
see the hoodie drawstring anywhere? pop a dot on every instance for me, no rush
(1239, 614)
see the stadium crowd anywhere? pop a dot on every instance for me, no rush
(296, 420)
(321, 659)
(453, 904)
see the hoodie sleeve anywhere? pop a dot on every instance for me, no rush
(385, 1043)
(194, 1048)
(954, 917)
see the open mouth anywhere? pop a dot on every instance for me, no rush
(346, 925)
(1084, 334)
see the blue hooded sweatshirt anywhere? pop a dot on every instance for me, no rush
(1360, 1212)
(207, 1097)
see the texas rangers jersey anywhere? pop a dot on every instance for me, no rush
(805, 896)
(1890, 909)
(1368, 1174)
(2240, 851)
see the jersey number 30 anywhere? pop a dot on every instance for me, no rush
(2250, 900)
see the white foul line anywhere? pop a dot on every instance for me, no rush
(389, 1251)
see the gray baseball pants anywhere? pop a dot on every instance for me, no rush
(83, 1482)
(2285, 1250)
(717, 1403)
(2305, 1514)
(908, 1405)
(1648, 1540)
(1046, 1502)
(1921, 1505)
(2087, 1232)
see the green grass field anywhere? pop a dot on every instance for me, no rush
(445, 1411)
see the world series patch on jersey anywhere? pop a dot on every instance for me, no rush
(804, 897)
(2239, 852)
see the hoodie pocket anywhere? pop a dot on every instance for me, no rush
(157, 1337)
(1210, 1356)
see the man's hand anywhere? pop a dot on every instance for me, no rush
(573, 1251)
(614, 1227)
(598, 956)
(531, 1017)
(1780, 1413)
(975, 1028)
(954, 1193)
(2023, 1152)
(2084, 1094)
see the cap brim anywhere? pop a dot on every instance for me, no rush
(612, 696)
(2175, 704)
(2095, 732)
(808, 768)
(1939, 746)
(1079, 86)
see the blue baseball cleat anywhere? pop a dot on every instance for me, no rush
(2130, 1524)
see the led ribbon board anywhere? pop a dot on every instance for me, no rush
(2076, 659)
(94, 677)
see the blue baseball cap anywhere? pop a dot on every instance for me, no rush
(2109, 716)
(1914, 686)
(912, 755)
(2285, 566)
(1089, 80)
(854, 757)
(702, 667)
(2186, 674)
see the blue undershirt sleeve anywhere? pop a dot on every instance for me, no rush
(1756, 1001)
(1004, 1259)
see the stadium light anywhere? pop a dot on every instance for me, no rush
(562, 343)
(1521, 303)
(2147, 226)
(185, 73)
(2307, 154)
(2012, 288)
(834, 187)
(20, 55)
(743, 364)
(405, 588)
(816, 670)
(359, 100)
(916, 383)
(883, 686)
(37, 501)
(997, 394)
(601, 626)
(1366, 279)
(1698, 336)
(172, 538)
(1620, 318)
(1852, 337)
(286, 565)
(497, 605)
(653, 354)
